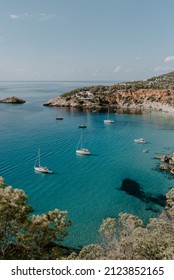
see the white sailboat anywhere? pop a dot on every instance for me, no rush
(80, 150)
(108, 120)
(38, 167)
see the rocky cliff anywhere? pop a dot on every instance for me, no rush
(154, 94)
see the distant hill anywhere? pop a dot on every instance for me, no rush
(163, 81)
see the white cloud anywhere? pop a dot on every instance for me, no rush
(14, 16)
(169, 58)
(21, 17)
(44, 17)
(25, 16)
(117, 69)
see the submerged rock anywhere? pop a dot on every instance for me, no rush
(13, 100)
(133, 188)
(165, 167)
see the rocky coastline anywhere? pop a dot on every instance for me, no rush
(12, 100)
(155, 94)
(140, 100)
(167, 162)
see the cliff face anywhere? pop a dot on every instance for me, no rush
(143, 99)
(153, 94)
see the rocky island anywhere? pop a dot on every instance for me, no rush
(156, 94)
(13, 100)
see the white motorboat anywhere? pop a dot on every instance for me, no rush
(108, 121)
(140, 140)
(38, 167)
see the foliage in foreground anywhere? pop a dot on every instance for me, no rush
(27, 236)
(128, 239)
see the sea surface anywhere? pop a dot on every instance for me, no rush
(117, 177)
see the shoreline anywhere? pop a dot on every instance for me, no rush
(132, 109)
(111, 99)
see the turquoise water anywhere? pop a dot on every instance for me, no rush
(88, 187)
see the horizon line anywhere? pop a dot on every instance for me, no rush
(82, 81)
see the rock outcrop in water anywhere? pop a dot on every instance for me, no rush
(168, 162)
(13, 100)
(153, 94)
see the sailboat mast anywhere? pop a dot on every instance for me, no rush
(37, 162)
(108, 112)
(79, 146)
(39, 157)
(81, 140)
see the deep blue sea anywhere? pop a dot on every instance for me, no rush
(88, 187)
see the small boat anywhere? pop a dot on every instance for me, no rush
(82, 126)
(38, 167)
(59, 118)
(108, 120)
(83, 151)
(140, 140)
(80, 150)
(145, 151)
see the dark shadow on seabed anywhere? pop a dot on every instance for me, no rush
(133, 188)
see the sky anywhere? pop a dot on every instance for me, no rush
(85, 40)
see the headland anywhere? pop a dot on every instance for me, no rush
(155, 94)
